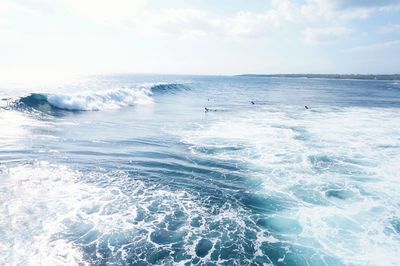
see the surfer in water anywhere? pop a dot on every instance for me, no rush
(210, 110)
(252, 102)
(306, 107)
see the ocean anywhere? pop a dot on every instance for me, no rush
(132, 170)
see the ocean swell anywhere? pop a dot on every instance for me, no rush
(98, 100)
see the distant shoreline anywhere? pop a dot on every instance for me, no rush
(327, 76)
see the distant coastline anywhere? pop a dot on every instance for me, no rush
(328, 76)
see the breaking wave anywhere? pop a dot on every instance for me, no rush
(98, 100)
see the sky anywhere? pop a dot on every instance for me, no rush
(48, 38)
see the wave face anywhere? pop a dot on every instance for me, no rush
(88, 101)
(112, 99)
(99, 100)
(169, 88)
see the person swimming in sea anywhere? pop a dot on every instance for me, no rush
(210, 110)
(253, 102)
(306, 107)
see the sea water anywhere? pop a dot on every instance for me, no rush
(131, 170)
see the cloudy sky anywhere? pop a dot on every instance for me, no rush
(43, 37)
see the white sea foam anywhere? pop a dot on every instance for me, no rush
(338, 168)
(100, 100)
(51, 216)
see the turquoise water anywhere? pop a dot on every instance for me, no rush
(131, 170)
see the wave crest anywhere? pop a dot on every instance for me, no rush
(111, 99)
(170, 88)
(99, 100)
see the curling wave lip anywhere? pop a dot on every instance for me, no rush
(98, 100)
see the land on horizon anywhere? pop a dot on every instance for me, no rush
(330, 76)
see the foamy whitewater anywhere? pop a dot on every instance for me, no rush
(131, 170)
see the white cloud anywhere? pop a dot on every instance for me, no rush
(138, 34)
(390, 28)
(325, 35)
(375, 46)
(8, 7)
(182, 22)
(249, 24)
(345, 4)
(137, 15)
(188, 23)
(115, 12)
(341, 10)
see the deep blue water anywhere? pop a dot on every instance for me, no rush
(131, 170)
